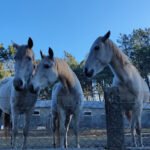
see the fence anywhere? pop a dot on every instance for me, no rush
(93, 124)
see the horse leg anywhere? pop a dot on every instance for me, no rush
(28, 116)
(57, 132)
(67, 123)
(62, 118)
(14, 129)
(7, 123)
(138, 131)
(75, 122)
(134, 118)
(54, 127)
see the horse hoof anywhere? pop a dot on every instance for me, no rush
(54, 145)
(134, 145)
(141, 145)
(24, 148)
(14, 148)
(78, 146)
(62, 147)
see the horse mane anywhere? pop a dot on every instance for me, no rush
(66, 75)
(23, 50)
(119, 53)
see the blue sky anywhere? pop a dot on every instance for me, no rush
(70, 25)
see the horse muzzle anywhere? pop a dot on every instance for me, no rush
(18, 84)
(88, 73)
(32, 89)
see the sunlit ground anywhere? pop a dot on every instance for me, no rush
(88, 139)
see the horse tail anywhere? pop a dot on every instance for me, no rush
(128, 115)
(58, 131)
(0, 118)
(7, 123)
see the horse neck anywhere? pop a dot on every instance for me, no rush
(118, 62)
(66, 75)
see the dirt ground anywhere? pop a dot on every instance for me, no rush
(88, 139)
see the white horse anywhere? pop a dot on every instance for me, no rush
(15, 95)
(67, 94)
(5, 92)
(133, 89)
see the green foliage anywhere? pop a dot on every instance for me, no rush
(3, 73)
(70, 60)
(137, 46)
(6, 54)
(11, 51)
(105, 77)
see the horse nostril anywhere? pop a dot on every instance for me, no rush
(88, 73)
(85, 70)
(32, 90)
(20, 83)
(92, 71)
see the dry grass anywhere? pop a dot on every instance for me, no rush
(88, 139)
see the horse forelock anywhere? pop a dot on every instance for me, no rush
(64, 71)
(24, 51)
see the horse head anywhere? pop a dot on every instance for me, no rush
(99, 56)
(24, 58)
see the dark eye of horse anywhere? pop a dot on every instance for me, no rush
(46, 66)
(96, 48)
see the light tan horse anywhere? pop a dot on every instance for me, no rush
(67, 94)
(133, 89)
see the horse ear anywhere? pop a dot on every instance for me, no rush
(42, 56)
(51, 53)
(106, 36)
(30, 43)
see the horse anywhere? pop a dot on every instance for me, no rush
(5, 92)
(19, 99)
(133, 90)
(67, 95)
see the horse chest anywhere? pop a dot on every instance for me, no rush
(128, 98)
(67, 102)
(24, 102)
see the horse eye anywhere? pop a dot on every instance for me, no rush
(96, 48)
(46, 66)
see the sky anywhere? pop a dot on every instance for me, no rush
(70, 25)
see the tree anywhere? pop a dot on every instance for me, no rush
(6, 65)
(70, 60)
(3, 73)
(137, 46)
(8, 53)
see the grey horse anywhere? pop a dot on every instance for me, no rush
(133, 90)
(19, 100)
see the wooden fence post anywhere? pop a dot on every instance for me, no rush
(114, 119)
